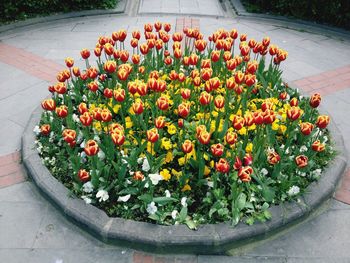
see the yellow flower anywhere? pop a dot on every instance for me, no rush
(282, 129)
(275, 126)
(97, 125)
(206, 170)
(116, 108)
(252, 127)
(249, 148)
(165, 174)
(214, 113)
(169, 157)
(212, 164)
(176, 173)
(243, 131)
(212, 126)
(128, 122)
(166, 143)
(150, 148)
(171, 129)
(206, 156)
(187, 187)
(181, 161)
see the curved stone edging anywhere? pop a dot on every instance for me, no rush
(208, 239)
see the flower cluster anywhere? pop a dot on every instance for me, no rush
(179, 123)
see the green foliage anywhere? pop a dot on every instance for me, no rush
(335, 12)
(21, 9)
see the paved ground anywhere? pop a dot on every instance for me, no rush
(32, 230)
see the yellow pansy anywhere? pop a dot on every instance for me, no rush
(169, 157)
(150, 148)
(171, 129)
(243, 131)
(181, 161)
(212, 164)
(165, 173)
(206, 170)
(249, 148)
(187, 187)
(116, 108)
(282, 129)
(176, 173)
(166, 143)
(275, 126)
(97, 125)
(128, 122)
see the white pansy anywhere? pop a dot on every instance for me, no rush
(264, 171)
(82, 145)
(86, 199)
(152, 208)
(97, 138)
(174, 214)
(145, 165)
(303, 148)
(101, 155)
(36, 130)
(102, 195)
(155, 178)
(128, 181)
(140, 160)
(124, 198)
(183, 201)
(325, 139)
(167, 193)
(317, 172)
(84, 98)
(210, 184)
(88, 187)
(75, 118)
(294, 190)
(146, 184)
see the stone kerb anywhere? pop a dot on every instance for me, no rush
(208, 239)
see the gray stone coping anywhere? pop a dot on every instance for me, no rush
(208, 239)
(119, 9)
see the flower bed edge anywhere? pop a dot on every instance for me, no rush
(208, 239)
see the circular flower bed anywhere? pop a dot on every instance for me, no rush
(186, 131)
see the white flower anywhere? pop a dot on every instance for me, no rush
(82, 145)
(152, 208)
(325, 139)
(146, 185)
(97, 138)
(174, 214)
(303, 149)
(36, 130)
(317, 172)
(102, 195)
(183, 201)
(86, 199)
(155, 178)
(84, 98)
(210, 184)
(124, 198)
(145, 165)
(101, 155)
(88, 187)
(294, 190)
(167, 193)
(75, 118)
(264, 171)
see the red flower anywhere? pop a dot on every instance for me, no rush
(85, 53)
(273, 157)
(160, 122)
(245, 173)
(301, 161)
(48, 104)
(118, 137)
(247, 159)
(217, 149)
(205, 98)
(187, 146)
(238, 122)
(83, 175)
(152, 135)
(86, 118)
(69, 135)
(317, 146)
(238, 163)
(91, 148)
(306, 128)
(45, 129)
(219, 102)
(137, 106)
(204, 137)
(293, 113)
(163, 103)
(184, 109)
(231, 137)
(62, 111)
(315, 100)
(222, 166)
(322, 121)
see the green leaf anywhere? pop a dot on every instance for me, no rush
(163, 200)
(268, 193)
(183, 214)
(241, 201)
(146, 198)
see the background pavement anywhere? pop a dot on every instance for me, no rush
(32, 230)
